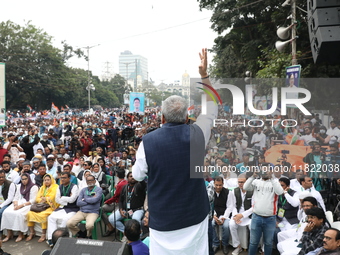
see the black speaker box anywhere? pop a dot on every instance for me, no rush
(314, 4)
(323, 17)
(78, 246)
(325, 45)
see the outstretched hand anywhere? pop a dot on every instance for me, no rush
(202, 68)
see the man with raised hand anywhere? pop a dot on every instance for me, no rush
(177, 208)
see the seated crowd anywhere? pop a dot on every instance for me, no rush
(67, 174)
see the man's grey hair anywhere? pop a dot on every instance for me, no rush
(175, 109)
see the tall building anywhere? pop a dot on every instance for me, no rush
(131, 66)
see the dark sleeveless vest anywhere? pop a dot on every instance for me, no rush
(70, 207)
(175, 199)
(247, 199)
(5, 189)
(290, 211)
(220, 202)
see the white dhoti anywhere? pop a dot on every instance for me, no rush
(57, 219)
(15, 219)
(288, 247)
(185, 241)
(233, 230)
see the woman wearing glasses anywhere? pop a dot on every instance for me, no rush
(14, 217)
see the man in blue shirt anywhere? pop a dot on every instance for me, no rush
(89, 202)
(132, 232)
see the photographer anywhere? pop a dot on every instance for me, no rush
(266, 189)
(112, 136)
(102, 142)
(125, 163)
(320, 135)
(75, 144)
(27, 146)
(13, 148)
(314, 160)
(258, 139)
(86, 143)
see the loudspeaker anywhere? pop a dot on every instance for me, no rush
(78, 246)
(321, 18)
(326, 45)
(313, 4)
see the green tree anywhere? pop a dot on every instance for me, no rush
(247, 35)
(36, 73)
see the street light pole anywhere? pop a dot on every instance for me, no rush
(293, 6)
(88, 70)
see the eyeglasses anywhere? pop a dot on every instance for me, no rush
(85, 164)
(241, 182)
(24, 179)
(63, 178)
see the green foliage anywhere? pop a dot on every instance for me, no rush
(247, 36)
(37, 74)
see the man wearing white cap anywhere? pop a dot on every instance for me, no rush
(19, 166)
(45, 142)
(22, 155)
(307, 186)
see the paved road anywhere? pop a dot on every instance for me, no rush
(34, 248)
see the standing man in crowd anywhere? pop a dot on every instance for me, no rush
(259, 139)
(266, 192)
(188, 215)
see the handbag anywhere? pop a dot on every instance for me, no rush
(39, 207)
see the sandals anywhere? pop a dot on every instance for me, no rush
(7, 239)
(30, 237)
(42, 238)
(19, 238)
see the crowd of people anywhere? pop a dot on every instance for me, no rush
(62, 172)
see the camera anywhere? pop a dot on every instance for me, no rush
(285, 151)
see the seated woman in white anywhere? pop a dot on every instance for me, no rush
(82, 183)
(14, 217)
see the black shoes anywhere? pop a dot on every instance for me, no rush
(81, 234)
(225, 250)
(215, 249)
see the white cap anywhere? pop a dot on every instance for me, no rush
(305, 194)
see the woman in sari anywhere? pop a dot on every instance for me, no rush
(14, 217)
(46, 195)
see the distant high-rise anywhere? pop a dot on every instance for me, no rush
(131, 66)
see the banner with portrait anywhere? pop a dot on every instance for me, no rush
(137, 100)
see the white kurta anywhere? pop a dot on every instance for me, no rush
(16, 219)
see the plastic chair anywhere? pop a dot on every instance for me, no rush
(110, 182)
(336, 224)
(329, 217)
(98, 220)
